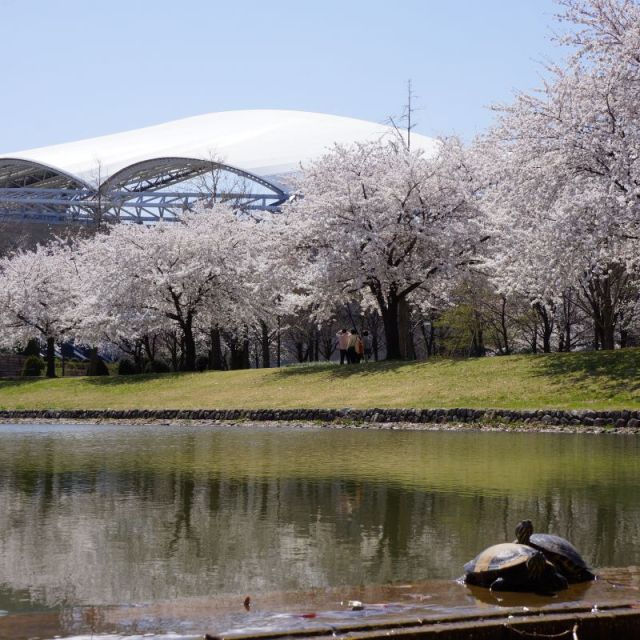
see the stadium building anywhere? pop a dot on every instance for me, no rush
(154, 173)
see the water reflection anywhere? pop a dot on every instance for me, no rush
(97, 515)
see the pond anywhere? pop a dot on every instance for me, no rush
(97, 518)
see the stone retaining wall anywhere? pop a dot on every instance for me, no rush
(628, 420)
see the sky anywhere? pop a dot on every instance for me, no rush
(74, 69)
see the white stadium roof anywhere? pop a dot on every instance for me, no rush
(262, 142)
(144, 175)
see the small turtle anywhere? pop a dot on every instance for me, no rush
(557, 550)
(513, 567)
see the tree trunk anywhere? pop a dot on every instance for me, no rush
(608, 320)
(478, 349)
(138, 357)
(566, 305)
(311, 353)
(149, 348)
(189, 348)
(546, 341)
(266, 353)
(534, 338)
(608, 336)
(301, 354)
(429, 337)
(51, 358)
(425, 337)
(503, 326)
(624, 338)
(239, 352)
(403, 329)
(236, 356)
(246, 351)
(173, 352)
(215, 352)
(603, 295)
(278, 346)
(327, 347)
(389, 313)
(547, 326)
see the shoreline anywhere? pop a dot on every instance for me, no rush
(490, 421)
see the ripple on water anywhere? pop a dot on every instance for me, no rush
(98, 516)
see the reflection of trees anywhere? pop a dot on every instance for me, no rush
(205, 534)
(185, 489)
(100, 531)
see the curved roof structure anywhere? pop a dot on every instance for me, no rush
(257, 145)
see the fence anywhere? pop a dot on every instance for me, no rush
(72, 368)
(11, 365)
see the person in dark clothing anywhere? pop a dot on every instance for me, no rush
(367, 341)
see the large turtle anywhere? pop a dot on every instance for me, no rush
(557, 550)
(513, 567)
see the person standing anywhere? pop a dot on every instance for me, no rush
(343, 344)
(367, 341)
(359, 349)
(352, 355)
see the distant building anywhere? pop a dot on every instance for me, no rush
(150, 174)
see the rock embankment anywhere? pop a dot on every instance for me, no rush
(596, 421)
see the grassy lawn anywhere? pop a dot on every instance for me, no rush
(602, 380)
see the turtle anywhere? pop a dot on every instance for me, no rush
(513, 567)
(557, 550)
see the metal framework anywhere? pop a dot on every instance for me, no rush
(145, 192)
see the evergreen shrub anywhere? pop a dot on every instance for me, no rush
(157, 366)
(126, 368)
(97, 367)
(33, 366)
(32, 348)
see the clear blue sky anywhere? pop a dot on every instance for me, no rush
(73, 69)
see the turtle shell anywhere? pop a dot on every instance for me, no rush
(497, 560)
(563, 555)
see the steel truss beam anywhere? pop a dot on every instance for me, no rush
(137, 193)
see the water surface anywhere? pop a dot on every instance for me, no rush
(97, 515)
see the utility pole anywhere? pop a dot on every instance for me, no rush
(408, 112)
(407, 115)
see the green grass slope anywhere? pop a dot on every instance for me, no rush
(601, 380)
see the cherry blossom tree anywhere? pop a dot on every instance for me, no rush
(185, 277)
(565, 163)
(376, 223)
(38, 290)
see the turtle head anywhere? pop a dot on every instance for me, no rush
(536, 565)
(524, 531)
